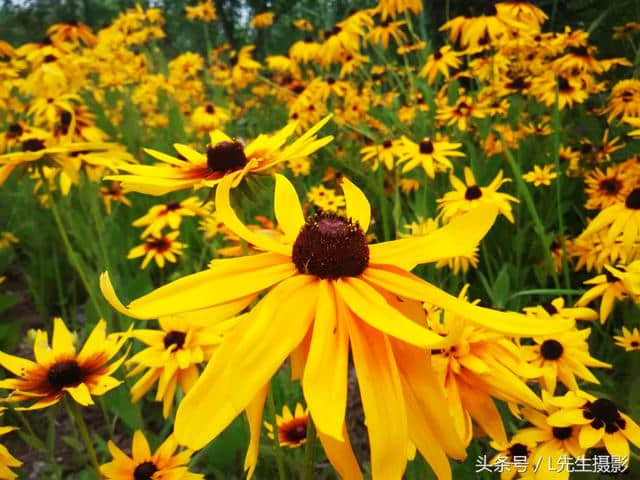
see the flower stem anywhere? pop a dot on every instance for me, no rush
(271, 405)
(75, 414)
(310, 449)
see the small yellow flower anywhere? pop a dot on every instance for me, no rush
(540, 176)
(629, 340)
(292, 428)
(158, 248)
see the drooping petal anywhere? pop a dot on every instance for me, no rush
(382, 399)
(80, 394)
(254, 417)
(287, 208)
(371, 307)
(341, 455)
(253, 351)
(325, 376)
(407, 285)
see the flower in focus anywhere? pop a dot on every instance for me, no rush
(58, 369)
(344, 294)
(540, 176)
(292, 428)
(164, 463)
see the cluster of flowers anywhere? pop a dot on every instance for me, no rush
(319, 286)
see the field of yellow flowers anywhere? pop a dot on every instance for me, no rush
(376, 251)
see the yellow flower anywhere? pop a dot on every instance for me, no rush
(168, 215)
(555, 310)
(540, 176)
(629, 340)
(440, 61)
(597, 421)
(224, 157)
(112, 193)
(205, 11)
(7, 461)
(209, 117)
(292, 428)
(58, 369)
(343, 294)
(432, 155)
(164, 463)
(174, 352)
(563, 357)
(158, 248)
(469, 195)
(603, 189)
(263, 20)
(384, 153)
(609, 287)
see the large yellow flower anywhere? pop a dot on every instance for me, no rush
(223, 157)
(329, 292)
(59, 370)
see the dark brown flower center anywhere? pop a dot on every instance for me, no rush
(171, 206)
(551, 350)
(64, 374)
(562, 433)
(144, 471)
(611, 186)
(15, 130)
(387, 144)
(437, 55)
(473, 192)
(426, 147)
(563, 84)
(518, 450)
(33, 145)
(174, 338)
(210, 108)
(159, 244)
(550, 308)
(49, 58)
(294, 431)
(330, 246)
(633, 199)
(604, 413)
(226, 157)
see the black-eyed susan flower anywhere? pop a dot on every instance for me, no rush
(442, 60)
(392, 8)
(168, 215)
(325, 199)
(162, 248)
(205, 11)
(114, 193)
(387, 29)
(384, 153)
(208, 117)
(7, 461)
(58, 369)
(619, 220)
(164, 463)
(173, 354)
(481, 364)
(563, 357)
(460, 113)
(603, 189)
(292, 427)
(343, 294)
(430, 154)
(263, 20)
(607, 286)
(540, 176)
(624, 100)
(223, 157)
(629, 340)
(598, 421)
(469, 194)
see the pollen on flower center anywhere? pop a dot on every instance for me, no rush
(145, 471)
(174, 338)
(633, 199)
(426, 147)
(473, 192)
(562, 433)
(330, 246)
(226, 157)
(551, 349)
(64, 374)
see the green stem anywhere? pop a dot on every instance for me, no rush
(310, 448)
(75, 415)
(271, 405)
(73, 258)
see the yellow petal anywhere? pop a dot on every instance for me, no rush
(80, 394)
(253, 351)
(382, 400)
(95, 341)
(16, 365)
(62, 341)
(590, 436)
(341, 455)
(140, 450)
(616, 444)
(254, 417)
(325, 375)
(287, 208)
(358, 207)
